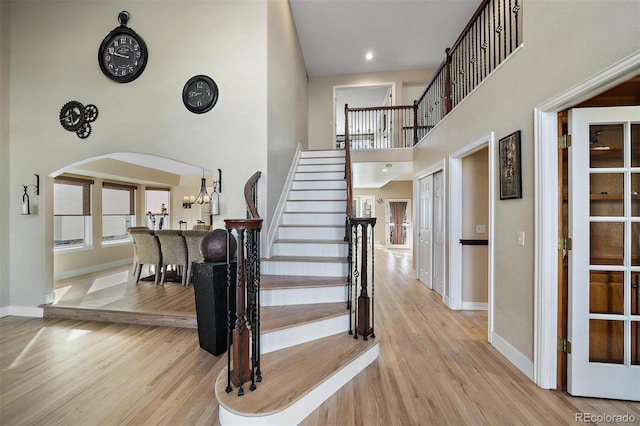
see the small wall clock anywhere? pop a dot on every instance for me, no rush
(123, 53)
(200, 94)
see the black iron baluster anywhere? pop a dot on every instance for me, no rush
(257, 286)
(251, 305)
(516, 9)
(229, 328)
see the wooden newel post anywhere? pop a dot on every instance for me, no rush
(364, 312)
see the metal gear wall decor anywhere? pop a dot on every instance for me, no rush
(76, 117)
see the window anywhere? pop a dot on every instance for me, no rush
(157, 207)
(118, 211)
(72, 212)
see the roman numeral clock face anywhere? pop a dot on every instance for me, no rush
(123, 54)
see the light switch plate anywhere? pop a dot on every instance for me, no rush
(520, 238)
(480, 229)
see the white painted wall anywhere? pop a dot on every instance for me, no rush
(5, 187)
(565, 42)
(53, 59)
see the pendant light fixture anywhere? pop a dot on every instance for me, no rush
(202, 197)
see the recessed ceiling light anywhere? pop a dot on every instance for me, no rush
(369, 56)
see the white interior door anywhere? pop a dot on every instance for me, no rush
(438, 247)
(425, 220)
(604, 262)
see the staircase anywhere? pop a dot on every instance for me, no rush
(306, 352)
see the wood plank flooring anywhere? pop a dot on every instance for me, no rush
(435, 367)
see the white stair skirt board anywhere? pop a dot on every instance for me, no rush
(310, 248)
(318, 175)
(303, 269)
(317, 194)
(311, 206)
(323, 153)
(324, 184)
(304, 406)
(304, 296)
(291, 336)
(299, 232)
(309, 218)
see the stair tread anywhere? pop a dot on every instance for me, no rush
(336, 259)
(289, 374)
(274, 318)
(272, 282)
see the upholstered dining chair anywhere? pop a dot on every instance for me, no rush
(148, 248)
(201, 227)
(174, 252)
(193, 239)
(136, 264)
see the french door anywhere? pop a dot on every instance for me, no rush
(604, 261)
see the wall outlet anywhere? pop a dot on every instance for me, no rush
(480, 229)
(521, 238)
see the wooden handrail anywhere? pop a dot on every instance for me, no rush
(382, 108)
(347, 172)
(249, 195)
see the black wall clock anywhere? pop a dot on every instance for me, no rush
(200, 94)
(123, 53)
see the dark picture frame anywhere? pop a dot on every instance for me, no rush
(510, 167)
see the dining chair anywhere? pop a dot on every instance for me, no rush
(174, 252)
(193, 239)
(134, 270)
(148, 248)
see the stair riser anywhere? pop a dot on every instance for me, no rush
(328, 184)
(319, 176)
(310, 249)
(305, 269)
(311, 233)
(338, 194)
(327, 153)
(320, 168)
(316, 206)
(292, 336)
(335, 219)
(303, 296)
(322, 160)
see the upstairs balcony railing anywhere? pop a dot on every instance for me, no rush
(493, 33)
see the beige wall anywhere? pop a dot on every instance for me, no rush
(6, 190)
(224, 39)
(321, 108)
(475, 211)
(565, 42)
(286, 98)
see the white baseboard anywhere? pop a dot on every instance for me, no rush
(475, 306)
(21, 311)
(514, 356)
(92, 269)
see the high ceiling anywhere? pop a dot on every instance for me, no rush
(335, 35)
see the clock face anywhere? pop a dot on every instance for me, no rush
(122, 55)
(200, 94)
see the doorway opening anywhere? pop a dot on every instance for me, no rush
(398, 223)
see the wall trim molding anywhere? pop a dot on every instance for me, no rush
(546, 211)
(21, 311)
(475, 306)
(514, 356)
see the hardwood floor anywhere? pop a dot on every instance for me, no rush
(435, 367)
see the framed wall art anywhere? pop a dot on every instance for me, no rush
(510, 167)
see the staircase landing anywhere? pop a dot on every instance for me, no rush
(296, 381)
